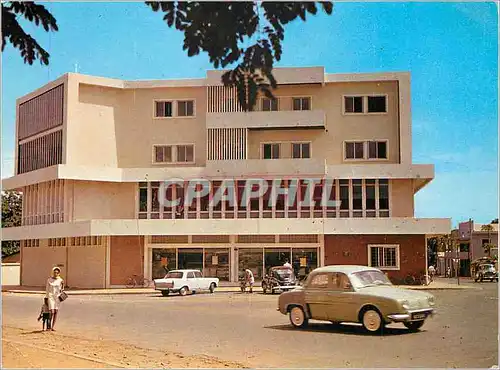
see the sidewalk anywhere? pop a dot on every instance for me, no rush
(438, 284)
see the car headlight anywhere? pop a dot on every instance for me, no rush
(431, 301)
(405, 304)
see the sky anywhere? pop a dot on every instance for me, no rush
(451, 50)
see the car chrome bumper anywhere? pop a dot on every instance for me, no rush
(285, 287)
(413, 315)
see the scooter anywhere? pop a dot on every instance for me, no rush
(243, 285)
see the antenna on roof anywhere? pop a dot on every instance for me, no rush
(76, 67)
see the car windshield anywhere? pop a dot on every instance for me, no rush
(284, 273)
(368, 278)
(174, 275)
(487, 267)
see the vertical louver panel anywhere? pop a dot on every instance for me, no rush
(41, 113)
(222, 99)
(227, 143)
(44, 151)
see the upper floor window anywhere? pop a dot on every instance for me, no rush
(301, 150)
(164, 109)
(377, 149)
(355, 150)
(366, 150)
(377, 104)
(185, 108)
(301, 103)
(271, 151)
(270, 105)
(174, 153)
(171, 108)
(365, 104)
(353, 104)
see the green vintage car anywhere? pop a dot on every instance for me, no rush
(355, 294)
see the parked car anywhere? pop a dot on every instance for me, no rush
(485, 271)
(279, 279)
(355, 294)
(184, 281)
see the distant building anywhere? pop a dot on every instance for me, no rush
(471, 238)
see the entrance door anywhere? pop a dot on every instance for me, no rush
(190, 259)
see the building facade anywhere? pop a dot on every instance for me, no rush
(470, 239)
(93, 155)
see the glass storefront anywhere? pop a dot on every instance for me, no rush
(275, 257)
(217, 263)
(190, 258)
(163, 260)
(251, 258)
(304, 261)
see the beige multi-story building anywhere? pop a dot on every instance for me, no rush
(93, 154)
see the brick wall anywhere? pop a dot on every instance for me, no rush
(353, 250)
(126, 259)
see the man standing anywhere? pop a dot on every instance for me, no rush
(250, 279)
(287, 264)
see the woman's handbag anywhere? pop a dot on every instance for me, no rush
(62, 297)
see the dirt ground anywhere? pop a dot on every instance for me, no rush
(34, 349)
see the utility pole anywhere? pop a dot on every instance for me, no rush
(458, 264)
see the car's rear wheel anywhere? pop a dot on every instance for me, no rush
(297, 317)
(183, 291)
(212, 287)
(165, 292)
(414, 325)
(372, 320)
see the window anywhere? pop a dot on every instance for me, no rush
(355, 150)
(190, 275)
(197, 274)
(174, 153)
(301, 103)
(344, 194)
(384, 256)
(377, 149)
(370, 194)
(357, 195)
(464, 247)
(185, 108)
(271, 151)
(377, 104)
(485, 241)
(383, 194)
(269, 105)
(163, 154)
(353, 104)
(319, 281)
(301, 150)
(164, 109)
(185, 153)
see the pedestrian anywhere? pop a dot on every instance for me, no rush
(448, 272)
(249, 279)
(45, 315)
(287, 264)
(432, 272)
(54, 292)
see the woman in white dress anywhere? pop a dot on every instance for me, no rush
(54, 287)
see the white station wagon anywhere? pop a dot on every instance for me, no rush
(184, 281)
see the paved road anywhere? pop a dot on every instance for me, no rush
(247, 328)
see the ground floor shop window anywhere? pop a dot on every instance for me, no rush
(217, 263)
(251, 259)
(304, 261)
(164, 260)
(190, 259)
(276, 257)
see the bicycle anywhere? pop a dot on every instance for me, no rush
(137, 281)
(410, 279)
(426, 279)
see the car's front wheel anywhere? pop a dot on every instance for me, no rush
(372, 320)
(212, 287)
(414, 325)
(298, 317)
